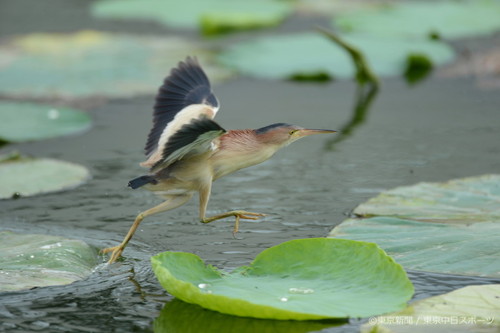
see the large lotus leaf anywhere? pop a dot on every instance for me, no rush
(448, 19)
(299, 279)
(24, 122)
(466, 200)
(28, 261)
(212, 16)
(469, 309)
(451, 227)
(286, 56)
(29, 176)
(90, 63)
(437, 247)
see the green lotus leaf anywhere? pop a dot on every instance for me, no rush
(212, 16)
(447, 19)
(25, 122)
(310, 54)
(300, 279)
(468, 309)
(92, 64)
(31, 260)
(451, 227)
(23, 176)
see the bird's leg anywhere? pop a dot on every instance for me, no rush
(171, 203)
(238, 214)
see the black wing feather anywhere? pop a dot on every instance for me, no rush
(187, 84)
(141, 181)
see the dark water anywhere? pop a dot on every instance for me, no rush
(435, 131)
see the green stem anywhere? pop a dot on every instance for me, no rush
(363, 71)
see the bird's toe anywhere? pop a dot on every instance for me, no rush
(116, 252)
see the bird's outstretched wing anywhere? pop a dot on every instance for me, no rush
(183, 113)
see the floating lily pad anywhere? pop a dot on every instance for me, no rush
(451, 227)
(448, 19)
(25, 122)
(89, 63)
(436, 247)
(469, 309)
(28, 261)
(465, 200)
(299, 279)
(286, 56)
(29, 176)
(212, 16)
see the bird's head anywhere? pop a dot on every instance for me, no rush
(282, 134)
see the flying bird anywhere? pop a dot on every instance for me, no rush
(187, 150)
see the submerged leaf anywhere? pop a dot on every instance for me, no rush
(313, 77)
(26, 176)
(418, 66)
(30, 260)
(284, 56)
(451, 227)
(178, 316)
(300, 279)
(219, 23)
(25, 122)
(468, 309)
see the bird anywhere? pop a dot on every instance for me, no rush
(187, 150)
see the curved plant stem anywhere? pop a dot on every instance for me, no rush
(364, 97)
(364, 74)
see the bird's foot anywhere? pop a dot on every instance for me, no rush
(238, 214)
(116, 252)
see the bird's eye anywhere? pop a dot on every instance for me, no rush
(292, 131)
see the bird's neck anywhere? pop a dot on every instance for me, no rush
(239, 149)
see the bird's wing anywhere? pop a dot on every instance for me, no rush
(194, 138)
(185, 95)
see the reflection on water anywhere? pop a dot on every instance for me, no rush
(178, 316)
(365, 95)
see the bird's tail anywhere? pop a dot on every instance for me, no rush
(141, 181)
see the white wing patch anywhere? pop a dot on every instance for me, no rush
(183, 117)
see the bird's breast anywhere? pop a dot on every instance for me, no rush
(228, 161)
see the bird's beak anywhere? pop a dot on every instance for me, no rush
(306, 132)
